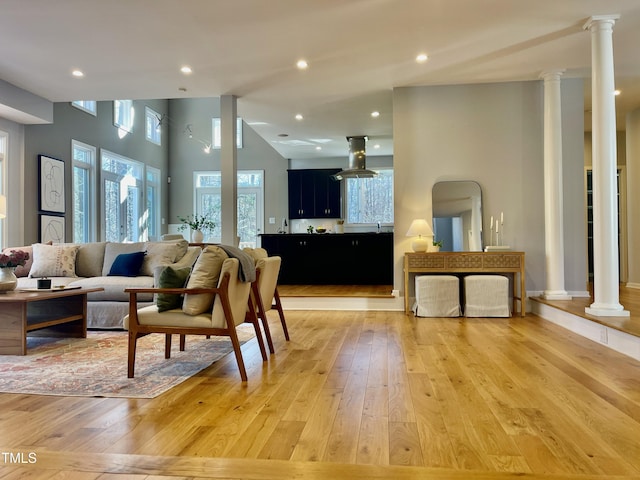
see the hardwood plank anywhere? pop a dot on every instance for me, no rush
(352, 394)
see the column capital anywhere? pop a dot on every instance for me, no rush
(552, 74)
(599, 20)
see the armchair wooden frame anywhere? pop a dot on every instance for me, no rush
(137, 330)
(262, 309)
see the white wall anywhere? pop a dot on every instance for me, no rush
(633, 197)
(492, 134)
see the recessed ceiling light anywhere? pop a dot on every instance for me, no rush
(302, 64)
(77, 73)
(318, 147)
(375, 114)
(299, 116)
(617, 92)
(422, 57)
(376, 146)
(186, 69)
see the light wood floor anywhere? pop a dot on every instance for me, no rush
(358, 395)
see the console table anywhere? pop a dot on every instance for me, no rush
(501, 262)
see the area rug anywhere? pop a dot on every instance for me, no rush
(96, 366)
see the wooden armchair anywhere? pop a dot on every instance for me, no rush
(229, 310)
(264, 294)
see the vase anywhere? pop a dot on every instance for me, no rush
(8, 279)
(197, 236)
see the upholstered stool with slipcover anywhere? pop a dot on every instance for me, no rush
(486, 296)
(437, 296)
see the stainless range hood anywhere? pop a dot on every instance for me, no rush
(357, 160)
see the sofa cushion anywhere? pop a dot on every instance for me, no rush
(162, 253)
(127, 265)
(205, 274)
(23, 270)
(54, 260)
(114, 288)
(90, 259)
(170, 277)
(112, 250)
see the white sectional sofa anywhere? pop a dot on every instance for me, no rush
(89, 265)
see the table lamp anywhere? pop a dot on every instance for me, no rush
(420, 228)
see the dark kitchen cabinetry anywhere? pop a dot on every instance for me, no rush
(333, 259)
(313, 193)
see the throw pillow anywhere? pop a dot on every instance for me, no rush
(23, 270)
(171, 278)
(162, 253)
(205, 274)
(113, 249)
(127, 265)
(53, 260)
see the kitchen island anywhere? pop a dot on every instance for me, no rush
(333, 258)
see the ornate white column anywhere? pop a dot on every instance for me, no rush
(228, 168)
(553, 204)
(606, 276)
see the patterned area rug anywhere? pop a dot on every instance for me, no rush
(96, 366)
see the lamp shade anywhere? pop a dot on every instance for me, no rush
(3, 206)
(419, 228)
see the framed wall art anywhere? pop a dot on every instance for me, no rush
(52, 229)
(51, 184)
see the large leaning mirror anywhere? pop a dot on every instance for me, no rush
(457, 216)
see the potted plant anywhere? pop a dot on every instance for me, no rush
(436, 245)
(198, 224)
(8, 262)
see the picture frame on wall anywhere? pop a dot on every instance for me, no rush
(52, 188)
(52, 228)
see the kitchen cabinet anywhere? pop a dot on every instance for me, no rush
(333, 259)
(313, 193)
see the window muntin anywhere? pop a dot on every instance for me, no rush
(88, 106)
(123, 114)
(84, 192)
(152, 214)
(370, 200)
(122, 203)
(153, 126)
(250, 207)
(217, 133)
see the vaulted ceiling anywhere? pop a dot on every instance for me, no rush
(357, 52)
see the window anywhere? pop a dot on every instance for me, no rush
(250, 204)
(152, 219)
(3, 187)
(370, 200)
(84, 192)
(216, 136)
(122, 203)
(123, 114)
(153, 126)
(89, 106)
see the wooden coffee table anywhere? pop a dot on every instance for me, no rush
(59, 313)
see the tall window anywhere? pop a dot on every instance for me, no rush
(217, 133)
(122, 202)
(370, 200)
(153, 127)
(152, 219)
(250, 210)
(89, 106)
(84, 192)
(123, 114)
(3, 186)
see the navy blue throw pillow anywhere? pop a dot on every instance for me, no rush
(127, 264)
